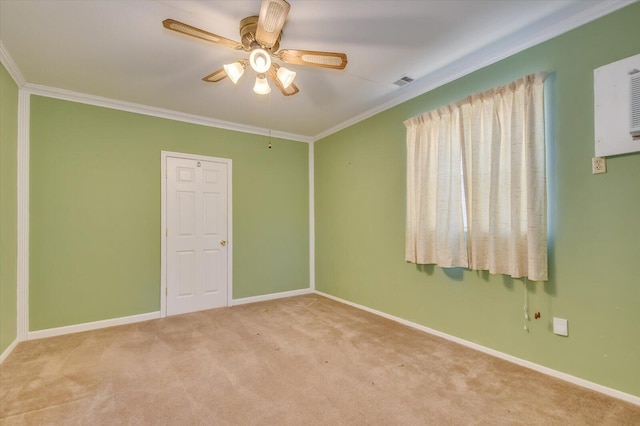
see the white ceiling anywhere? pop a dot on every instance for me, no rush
(119, 50)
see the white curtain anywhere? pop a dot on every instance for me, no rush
(494, 141)
(435, 226)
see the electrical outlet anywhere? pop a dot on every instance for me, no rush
(598, 165)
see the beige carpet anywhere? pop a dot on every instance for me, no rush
(305, 360)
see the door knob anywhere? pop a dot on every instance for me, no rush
(223, 243)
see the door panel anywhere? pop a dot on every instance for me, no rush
(212, 270)
(186, 213)
(186, 272)
(211, 213)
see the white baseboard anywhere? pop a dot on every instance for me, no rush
(528, 364)
(271, 296)
(7, 351)
(76, 328)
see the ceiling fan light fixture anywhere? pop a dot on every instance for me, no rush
(262, 85)
(285, 76)
(260, 60)
(260, 37)
(234, 71)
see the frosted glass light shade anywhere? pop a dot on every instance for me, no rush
(260, 60)
(262, 85)
(285, 76)
(234, 71)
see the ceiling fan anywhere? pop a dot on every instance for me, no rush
(260, 35)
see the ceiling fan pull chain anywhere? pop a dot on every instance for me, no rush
(269, 118)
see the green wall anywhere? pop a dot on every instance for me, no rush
(594, 243)
(8, 208)
(95, 210)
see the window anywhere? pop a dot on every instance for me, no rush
(480, 164)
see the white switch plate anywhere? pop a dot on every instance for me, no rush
(560, 327)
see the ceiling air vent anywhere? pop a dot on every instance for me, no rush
(403, 81)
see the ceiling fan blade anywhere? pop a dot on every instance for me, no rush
(317, 59)
(174, 25)
(273, 13)
(291, 90)
(215, 76)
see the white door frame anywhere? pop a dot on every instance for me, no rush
(163, 225)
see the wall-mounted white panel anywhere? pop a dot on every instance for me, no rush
(612, 101)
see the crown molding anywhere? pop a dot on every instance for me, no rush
(67, 95)
(508, 46)
(10, 65)
(481, 58)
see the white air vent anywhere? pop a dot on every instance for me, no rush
(635, 104)
(403, 81)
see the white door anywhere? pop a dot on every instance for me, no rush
(196, 235)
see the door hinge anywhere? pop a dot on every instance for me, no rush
(166, 232)
(166, 291)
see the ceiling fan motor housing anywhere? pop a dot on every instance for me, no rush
(248, 28)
